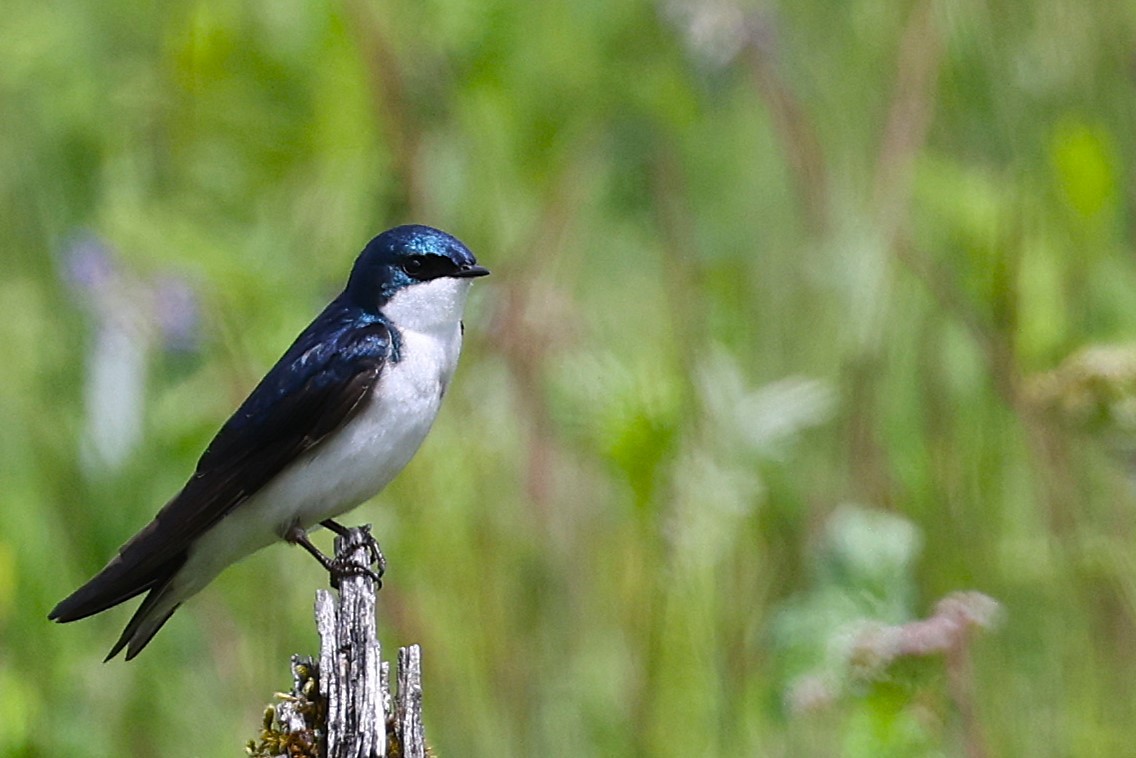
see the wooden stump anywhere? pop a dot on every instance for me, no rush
(342, 706)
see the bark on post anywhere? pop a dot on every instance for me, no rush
(342, 706)
(350, 656)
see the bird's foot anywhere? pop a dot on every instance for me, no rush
(344, 563)
(378, 560)
(343, 566)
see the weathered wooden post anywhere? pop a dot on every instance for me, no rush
(342, 706)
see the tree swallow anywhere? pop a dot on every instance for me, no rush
(337, 417)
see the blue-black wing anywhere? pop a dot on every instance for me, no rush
(316, 387)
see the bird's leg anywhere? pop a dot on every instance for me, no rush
(335, 567)
(298, 536)
(377, 557)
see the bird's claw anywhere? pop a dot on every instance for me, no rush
(374, 553)
(342, 567)
(378, 560)
(343, 564)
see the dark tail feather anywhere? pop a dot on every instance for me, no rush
(121, 580)
(138, 567)
(97, 595)
(108, 588)
(145, 623)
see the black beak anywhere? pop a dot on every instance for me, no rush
(468, 272)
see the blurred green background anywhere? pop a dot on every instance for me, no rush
(804, 315)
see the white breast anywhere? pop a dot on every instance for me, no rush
(360, 459)
(363, 457)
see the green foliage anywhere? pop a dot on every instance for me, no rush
(751, 263)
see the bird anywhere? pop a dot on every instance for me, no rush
(330, 425)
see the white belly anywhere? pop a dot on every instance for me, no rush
(352, 465)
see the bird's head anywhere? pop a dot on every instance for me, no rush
(418, 276)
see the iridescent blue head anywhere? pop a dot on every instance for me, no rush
(409, 257)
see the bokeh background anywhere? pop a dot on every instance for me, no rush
(804, 316)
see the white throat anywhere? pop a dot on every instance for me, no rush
(433, 307)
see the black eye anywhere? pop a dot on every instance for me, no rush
(424, 267)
